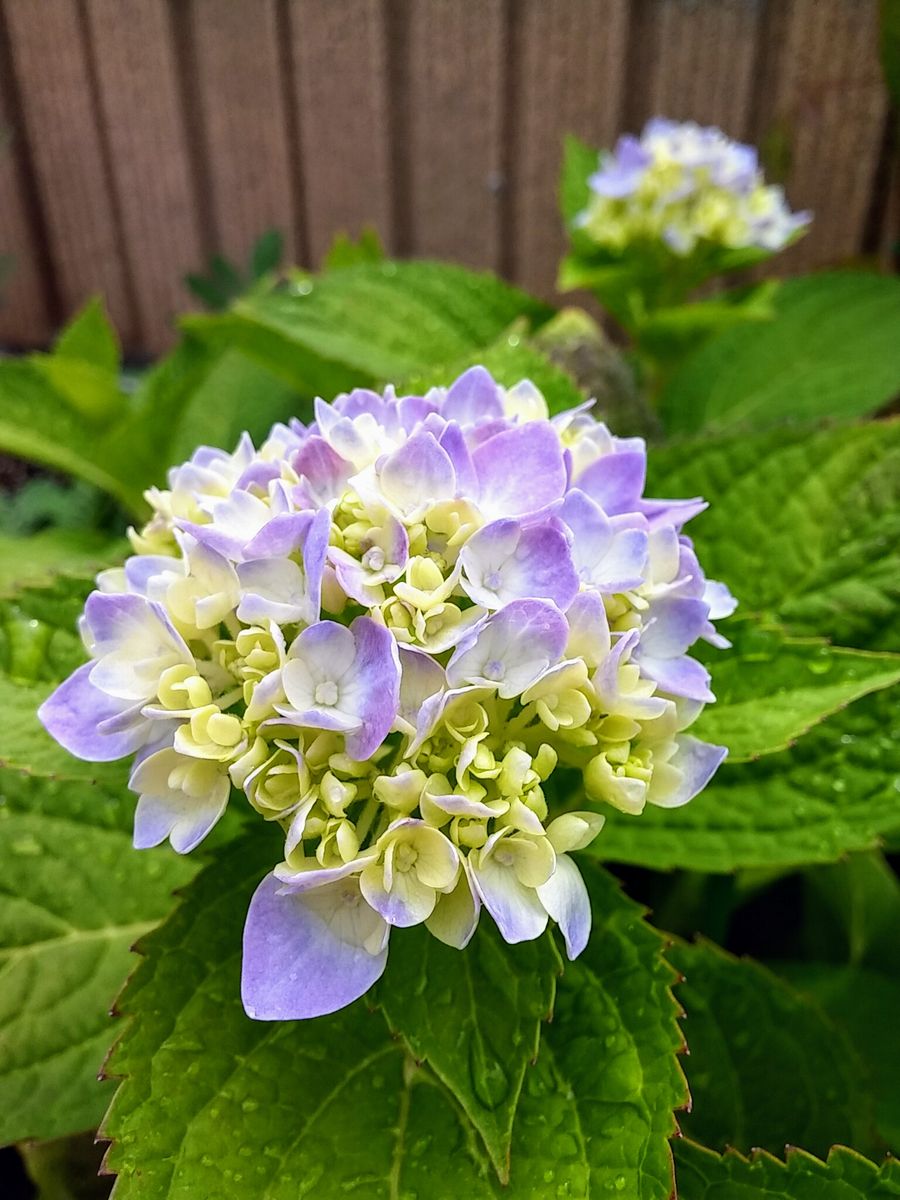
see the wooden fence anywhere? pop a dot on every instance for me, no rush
(145, 134)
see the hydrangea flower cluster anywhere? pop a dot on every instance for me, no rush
(685, 184)
(388, 629)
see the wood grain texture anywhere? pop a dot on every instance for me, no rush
(694, 60)
(454, 98)
(140, 108)
(568, 68)
(241, 97)
(25, 318)
(147, 133)
(341, 79)
(822, 111)
(53, 77)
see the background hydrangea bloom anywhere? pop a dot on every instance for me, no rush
(388, 629)
(684, 184)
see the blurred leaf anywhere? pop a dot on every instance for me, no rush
(42, 503)
(369, 322)
(770, 689)
(668, 333)
(209, 294)
(39, 423)
(831, 351)
(66, 1168)
(233, 395)
(34, 560)
(266, 254)
(803, 523)
(835, 791)
(703, 1175)
(853, 907)
(889, 27)
(766, 1067)
(346, 251)
(91, 338)
(580, 161)
(863, 1002)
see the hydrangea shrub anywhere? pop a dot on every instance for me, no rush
(405, 668)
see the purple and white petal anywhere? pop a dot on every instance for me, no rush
(506, 561)
(309, 954)
(511, 648)
(134, 642)
(166, 809)
(516, 909)
(472, 398)
(417, 474)
(690, 770)
(455, 917)
(519, 471)
(79, 715)
(566, 899)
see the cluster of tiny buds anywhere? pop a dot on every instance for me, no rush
(683, 186)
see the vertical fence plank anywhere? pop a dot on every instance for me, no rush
(140, 105)
(242, 107)
(341, 81)
(694, 61)
(455, 73)
(569, 67)
(24, 307)
(822, 113)
(54, 81)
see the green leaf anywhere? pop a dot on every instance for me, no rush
(834, 792)
(852, 909)
(889, 31)
(832, 351)
(37, 560)
(39, 423)
(66, 1168)
(38, 637)
(770, 689)
(74, 898)
(368, 322)
(444, 1004)
(803, 524)
(266, 254)
(863, 1003)
(766, 1067)
(703, 1175)
(579, 162)
(346, 251)
(668, 333)
(90, 337)
(510, 360)
(208, 293)
(334, 1105)
(233, 395)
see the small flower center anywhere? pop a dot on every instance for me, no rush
(405, 857)
(494, 670)
(327, 694)
(492, 580)
(373, 559)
